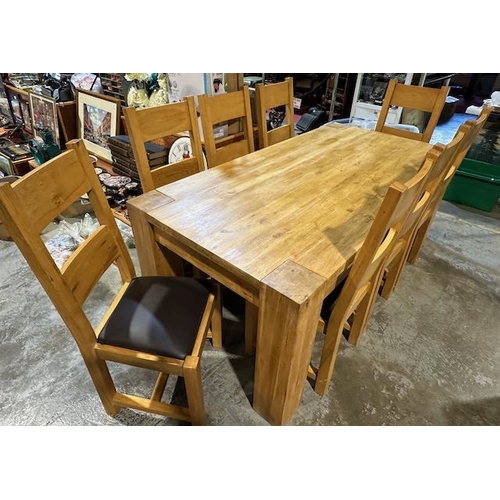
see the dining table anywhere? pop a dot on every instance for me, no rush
(280, 227)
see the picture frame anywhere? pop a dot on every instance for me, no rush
(26, 113)
(6, 118)
(43, 113)
(98, 118)
(216, 84)
(16, 108)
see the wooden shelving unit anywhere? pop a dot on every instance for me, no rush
(113, 85)
(340, 92)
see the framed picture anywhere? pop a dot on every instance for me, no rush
(98, 118)
(24, 103)
(43, 116)
(216, 84)
(16, 108)
(5, 109)
(181, 85)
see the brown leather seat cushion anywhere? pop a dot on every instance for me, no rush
(158, 315)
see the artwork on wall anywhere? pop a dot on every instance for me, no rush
(16, 109)
(43, 116)
(98, 119)
(181, 85)
(24, 103)
(5, 109)
(216, 84)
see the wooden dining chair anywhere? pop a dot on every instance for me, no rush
(415, 97)
(438, 160)
(271, 96)
(157, 323)
(150, 124)
(348, 308)
(232, 109)
(471, 128)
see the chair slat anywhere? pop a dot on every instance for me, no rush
(89, 261)
(162, 122)
(48, 192)
(175, 171)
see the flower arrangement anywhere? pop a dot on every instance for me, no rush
(147, 89)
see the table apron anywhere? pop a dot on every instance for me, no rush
(219, 272)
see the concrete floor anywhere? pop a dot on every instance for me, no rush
(430, 355)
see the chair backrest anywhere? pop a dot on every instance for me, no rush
(427, 99)
(272, 96)
(29, 204)
(366, 272)
(467, 132)
(452, 156)
(150, 124)
(231, 108)
(436, 165)
(438, 161)
(359, 290)
(473, 128)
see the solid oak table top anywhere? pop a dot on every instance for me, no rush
(310, 200)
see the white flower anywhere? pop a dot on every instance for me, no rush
(141, 77)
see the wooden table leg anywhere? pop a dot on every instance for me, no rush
(290, 304)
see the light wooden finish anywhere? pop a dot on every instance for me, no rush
(233, 107)
(354, 305)
(279, 227)
(438, 161)
(471, 129)
(271, 96)
(150, 124)
(26, 207)
(415, 97)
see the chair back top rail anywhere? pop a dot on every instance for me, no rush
(416, 97)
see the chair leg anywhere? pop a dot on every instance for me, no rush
(393, 274)
(103, 383)
(194, 390)
(418, 241)
(363, 312)
(216, 322)
(159, 388)
(328, 355)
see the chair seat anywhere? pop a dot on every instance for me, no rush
(158, 315)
